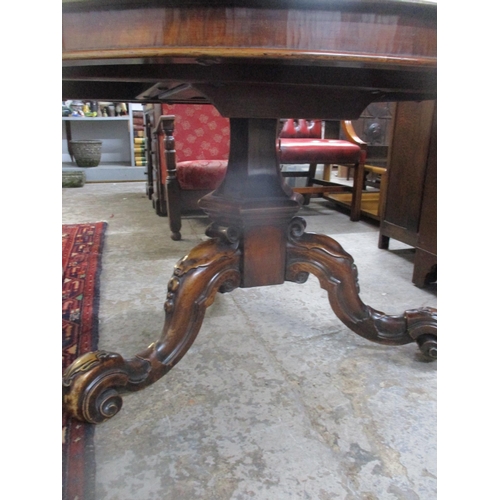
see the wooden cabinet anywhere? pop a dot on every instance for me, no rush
(410, 210)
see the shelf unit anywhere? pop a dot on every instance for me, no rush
(116, 133)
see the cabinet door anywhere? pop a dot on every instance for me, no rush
(407, 170)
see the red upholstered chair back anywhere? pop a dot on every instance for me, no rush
(191, 165)
(201, 145)
(200, 133)
(301, 129)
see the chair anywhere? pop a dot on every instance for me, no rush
(300, 142)
(190, 158)
(190, 146)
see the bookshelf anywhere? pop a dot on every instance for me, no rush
(119, 160)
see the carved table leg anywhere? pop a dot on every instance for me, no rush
(337, 274)
(251, 212)
(92, 384)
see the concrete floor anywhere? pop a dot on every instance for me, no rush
(276, 399)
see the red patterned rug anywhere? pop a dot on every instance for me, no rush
(81, 264)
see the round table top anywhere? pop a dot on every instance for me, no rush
(273, 58)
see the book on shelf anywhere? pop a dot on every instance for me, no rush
(138, 118)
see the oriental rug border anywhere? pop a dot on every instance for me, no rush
(82, 246)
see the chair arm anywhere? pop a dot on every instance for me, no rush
(164, 121)
(376, 170)
(351, 135)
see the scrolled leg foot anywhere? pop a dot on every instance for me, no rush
(93, 384)
(335, 269)
(422, 327)
(428, 346)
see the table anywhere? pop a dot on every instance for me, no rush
(256, 61)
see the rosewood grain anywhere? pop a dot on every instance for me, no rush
(337, 31)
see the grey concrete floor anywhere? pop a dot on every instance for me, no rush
(276, 399)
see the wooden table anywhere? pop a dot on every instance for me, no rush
(256, 61)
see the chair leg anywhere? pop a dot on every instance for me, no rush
(327, 172)
(382, 195)
(357, 192)
(172, 187)
(174, 208)
(310, 181)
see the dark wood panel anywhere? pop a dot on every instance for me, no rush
(408, 163)
(410, 207)
(427, 236)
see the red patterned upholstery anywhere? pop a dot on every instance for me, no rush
(194, 163)
(201, 145)
(201, 174)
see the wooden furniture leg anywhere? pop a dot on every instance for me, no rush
(357, 192)
(327, 172)
(172, 188)
(424, 268)
(92, 384)
(256, 240)
(337, 274)
(310, 181)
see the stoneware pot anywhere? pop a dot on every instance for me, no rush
(73, 178)
(87, 153)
